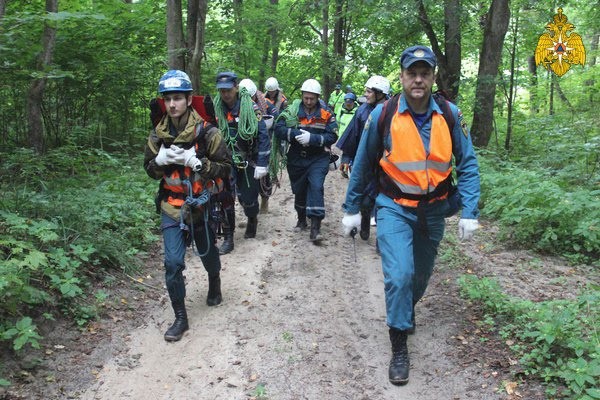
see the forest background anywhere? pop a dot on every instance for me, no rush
(77, 77)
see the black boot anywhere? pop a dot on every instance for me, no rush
(315, 229)
(227, 245)
(264, 204)
(251, 228)
(365, 226)
(214, 291)
(175, 332)
(228, 229)
(301, 225)
(399, 364)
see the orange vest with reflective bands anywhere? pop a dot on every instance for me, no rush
(176, 191)
(407, 163)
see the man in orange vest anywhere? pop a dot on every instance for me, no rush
(189, 157)
(415, 192)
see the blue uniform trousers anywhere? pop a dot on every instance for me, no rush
(247, 189)
(174, 239)
(307, 178)
(407, 255)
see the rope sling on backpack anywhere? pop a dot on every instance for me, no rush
(247, 128)
(385, 184)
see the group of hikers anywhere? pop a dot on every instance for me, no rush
(397, 153)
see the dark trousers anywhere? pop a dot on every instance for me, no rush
(307, 178)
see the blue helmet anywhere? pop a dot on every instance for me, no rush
(350, 97)
(174, 80)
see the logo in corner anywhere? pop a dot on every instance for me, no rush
(559, 48)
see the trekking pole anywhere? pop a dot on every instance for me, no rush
(353, 234)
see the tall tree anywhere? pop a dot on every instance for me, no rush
(38, 85)
(196, 28)
(449, 60)
(175, 43)
(496, 25)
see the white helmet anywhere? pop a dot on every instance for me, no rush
(312, 86)
(379, 83)
(249, 85)
(271, 84)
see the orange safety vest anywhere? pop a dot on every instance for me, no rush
(407, 165)
(176, 191)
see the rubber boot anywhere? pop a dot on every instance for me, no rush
(214, 296)
(264, 204)
(365, 226)
(175, 332)
(315, 229)
(228, 229)
(301, 225)
(251, 228)
(399, 364)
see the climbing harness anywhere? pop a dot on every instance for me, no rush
(190, 204)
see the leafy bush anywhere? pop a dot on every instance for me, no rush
(556, 340)
(66, 216)
(534, 208)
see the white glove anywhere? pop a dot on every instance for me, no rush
(259, 172)
(191, 160)
(176, 155)
(467, 228)
(303, 138)
(350, 222)
(162, 158)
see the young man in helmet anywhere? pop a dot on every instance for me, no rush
(246, 135)
(310, 131)
(190, 159)
(347, 111)
(269, 115)
(377, 89)
(274, 94)
(413, 194)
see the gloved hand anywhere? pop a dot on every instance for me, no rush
(259, 172)
(172, 155)
(351, 221)
(345, 169)
(467, 228)
(303, 138)
(191, 160)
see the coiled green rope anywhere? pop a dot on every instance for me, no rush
(277, 159)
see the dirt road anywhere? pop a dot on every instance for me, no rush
(298, 321)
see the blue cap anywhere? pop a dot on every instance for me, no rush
(350, 97)
(226, 80)
(417, 53)
(174, 80)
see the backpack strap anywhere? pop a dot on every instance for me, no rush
(387, 113)
(444, 104)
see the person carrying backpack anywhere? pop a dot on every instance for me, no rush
(189, 157)
(412, 153)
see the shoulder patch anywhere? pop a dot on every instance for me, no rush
(463, 125)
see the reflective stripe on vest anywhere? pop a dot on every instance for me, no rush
(407, 164)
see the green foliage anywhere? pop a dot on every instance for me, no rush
(536, 207)
(64, 218)
(556, 340)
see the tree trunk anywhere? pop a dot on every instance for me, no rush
(175, 43)
(36, 90)
(491, 54)
(198, 50)
(325, 59)
(511, 87)
(238, 33)
(339, 45)
(274, 44)
(449, 60)
(533, 82)
(2, 8)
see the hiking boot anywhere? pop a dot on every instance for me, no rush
(399, 364)
(365, 227)
(315, 229)
(227, 245)
(175, 331)
(214, 296)
(251, 228)
(301, 225)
